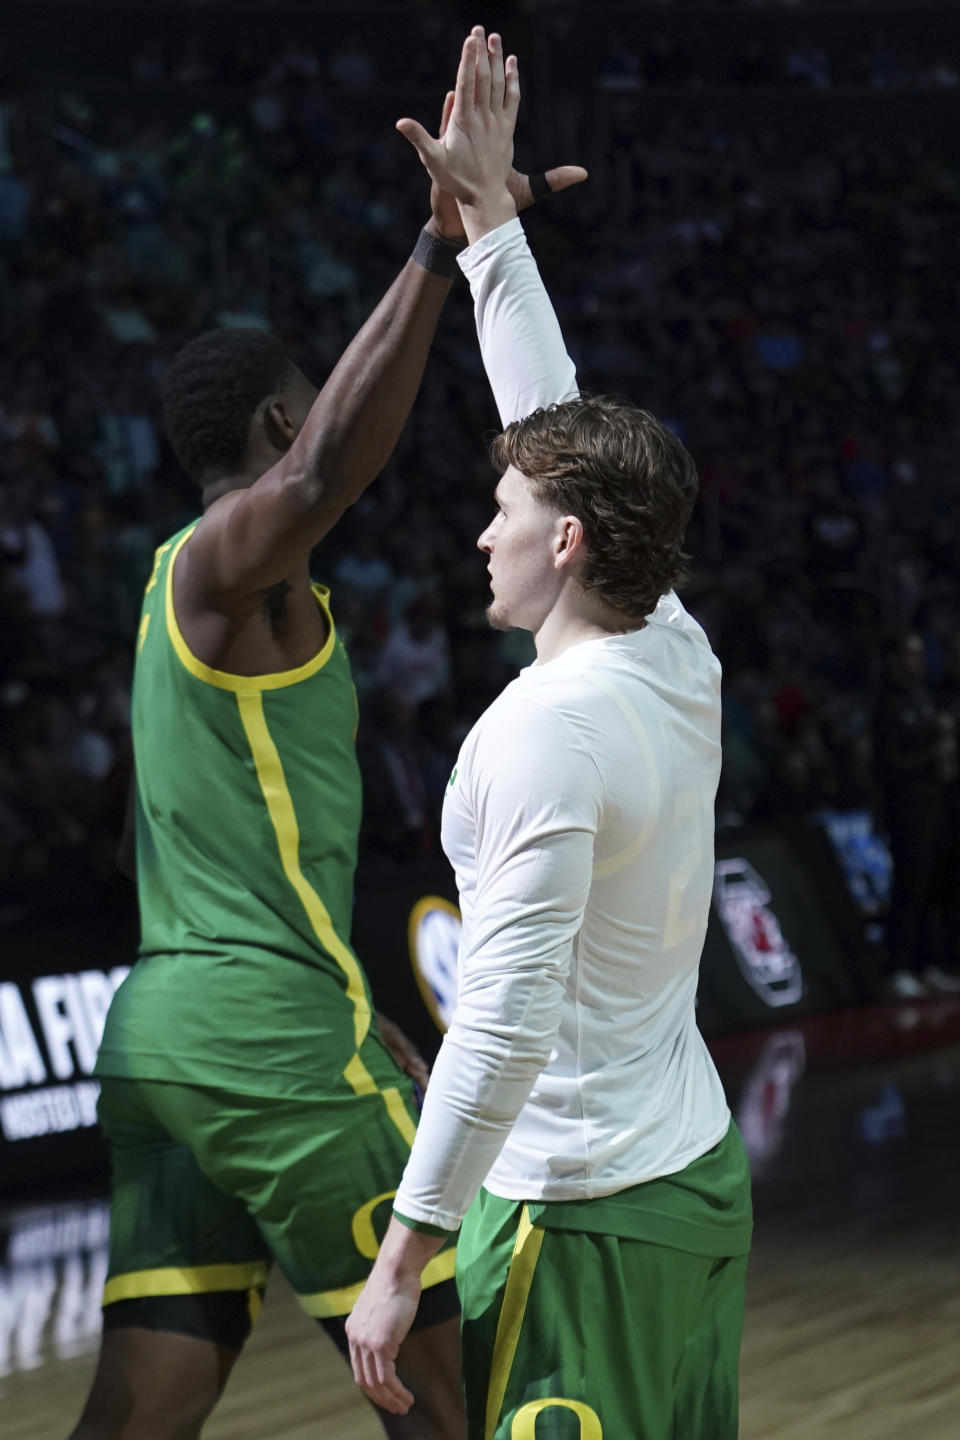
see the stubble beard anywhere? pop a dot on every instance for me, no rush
(496, 617)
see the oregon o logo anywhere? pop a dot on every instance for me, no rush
(433, 932)
(524, 1425)
(361, 1226)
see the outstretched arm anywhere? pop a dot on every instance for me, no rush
(523, 351)
(254, 538)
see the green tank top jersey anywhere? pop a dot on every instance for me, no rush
(247, 813)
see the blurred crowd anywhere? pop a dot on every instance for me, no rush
(788, 306)
(878, 65)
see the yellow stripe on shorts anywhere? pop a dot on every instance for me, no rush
(328, 1303)
(526, 1251)
(185, 1280)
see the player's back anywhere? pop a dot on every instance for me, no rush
(247, 810)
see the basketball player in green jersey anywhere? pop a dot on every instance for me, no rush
(253, 1112)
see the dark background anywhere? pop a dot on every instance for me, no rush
(765, 256)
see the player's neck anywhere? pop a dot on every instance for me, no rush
(573, 620)
(223, 484)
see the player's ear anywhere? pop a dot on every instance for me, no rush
(569, 541)
(278, 423)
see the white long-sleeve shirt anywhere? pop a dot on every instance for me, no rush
(579, 822)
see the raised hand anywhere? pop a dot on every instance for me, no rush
(446, 211)
(443, 206)
(523, 189)
(472, 158)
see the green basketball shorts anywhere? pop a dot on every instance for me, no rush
(576, 1335)
(209, 1187)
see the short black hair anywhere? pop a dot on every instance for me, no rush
(211, 390)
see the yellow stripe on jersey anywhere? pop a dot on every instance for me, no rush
(243, 684)
(185, 1280)
(526, 1251)
(144, 627)
(158, 555)
(279, 802)
(399, 1114)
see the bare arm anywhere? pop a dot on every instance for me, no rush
(254, 538)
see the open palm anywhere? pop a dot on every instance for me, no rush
(477, 147)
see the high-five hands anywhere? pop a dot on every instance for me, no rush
(475, 153)
(471, 160)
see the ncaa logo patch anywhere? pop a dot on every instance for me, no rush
(433, 934)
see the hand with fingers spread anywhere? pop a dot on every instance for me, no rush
(473, 157)
(525, 189)
(444, 157)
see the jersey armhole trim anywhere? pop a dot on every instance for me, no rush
(243, 684)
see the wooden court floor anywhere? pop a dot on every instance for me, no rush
(853, 1321)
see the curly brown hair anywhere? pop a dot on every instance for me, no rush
(625, 477)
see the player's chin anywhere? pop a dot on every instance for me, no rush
(497, 617)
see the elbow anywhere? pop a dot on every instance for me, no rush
(515, 1050)
(298, 477)
(511, 1011)
(309, 493)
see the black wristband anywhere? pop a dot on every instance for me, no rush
(539, 188)
(437, 255)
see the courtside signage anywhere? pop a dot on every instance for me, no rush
(51, 1283)
(50, 1030)
(433, 934)
(741, 899)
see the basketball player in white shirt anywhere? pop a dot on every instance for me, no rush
(574, 1110)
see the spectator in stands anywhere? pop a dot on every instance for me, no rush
(416, 653)
(946, 878)
(399, 814)
(785, 298)
(911, 749)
